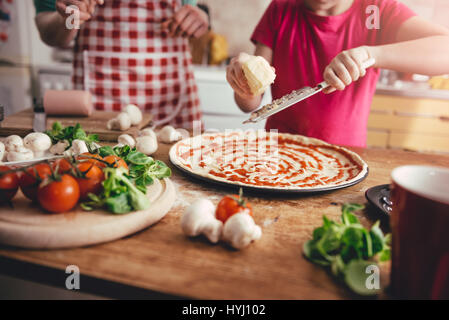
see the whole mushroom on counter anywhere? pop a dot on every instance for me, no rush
(78, 147)
(13, 143)
(122, 122)
(230, 222)
(199, 218)
(37, 142)
(59, 147)
(168, 134)
(15, 149)
(146, 144)
(126, 139)
(131, 116)
(22, 154)
(240, 230)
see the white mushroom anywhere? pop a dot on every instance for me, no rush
(13, 143)
(122, 122)
(199, 218)
(240, 230)
(148, 132)
(2, 151)
(184, 133)
(59, 147)
(168, 134)
(126, 139)
(146, 144)
(38, 142)
(78, 147)
(22, 154)
(134, 113)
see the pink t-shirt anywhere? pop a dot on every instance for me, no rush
(303, 44)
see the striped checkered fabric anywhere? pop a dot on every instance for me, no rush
(122, 56)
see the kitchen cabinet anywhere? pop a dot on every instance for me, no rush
(419, 124)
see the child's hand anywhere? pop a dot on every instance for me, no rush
(189, 21)
(236, 77)
(346, 68)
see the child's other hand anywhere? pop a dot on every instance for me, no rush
(236, 77)
(189, 21)
(346, 68)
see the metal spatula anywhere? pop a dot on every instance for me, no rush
(292, 98)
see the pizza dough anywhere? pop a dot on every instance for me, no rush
(268, 160)
(259, 74)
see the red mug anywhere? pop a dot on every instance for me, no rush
(420, 232)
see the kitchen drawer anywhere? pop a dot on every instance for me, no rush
(378, 138)
(405, 105)
(409, 123)
(419, 142)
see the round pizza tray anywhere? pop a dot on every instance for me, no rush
(271, 190)
(267, 189)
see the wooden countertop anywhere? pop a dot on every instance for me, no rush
(161, 259)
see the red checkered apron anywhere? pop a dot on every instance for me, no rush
(122, 56)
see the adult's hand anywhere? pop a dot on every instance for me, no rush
(86, 8)
(189, 21)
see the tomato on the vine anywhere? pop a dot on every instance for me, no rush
(62, 166)
(230, 205)
(60, 194)
(88, 157)
(116, 161)
(9, 184)
(32, 177)
(90, 180)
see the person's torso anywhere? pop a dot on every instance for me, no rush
(123, 55)
(306, 43)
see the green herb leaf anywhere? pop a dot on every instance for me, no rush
(106, 151)
(118, 204)
(357, 277)
(347, 247)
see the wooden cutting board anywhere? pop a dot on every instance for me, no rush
(21, 123)
(28, 226)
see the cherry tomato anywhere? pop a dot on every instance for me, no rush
(63, 166)
(59, 195)
(231, 205)
(87, 157)
(32, 177)
(91, 182)
(119, 162)
(9, 184)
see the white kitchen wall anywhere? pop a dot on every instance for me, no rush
(236, 20)
(434, 10)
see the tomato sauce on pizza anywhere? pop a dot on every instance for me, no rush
(268, 160)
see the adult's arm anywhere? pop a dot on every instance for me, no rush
(52, 24)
